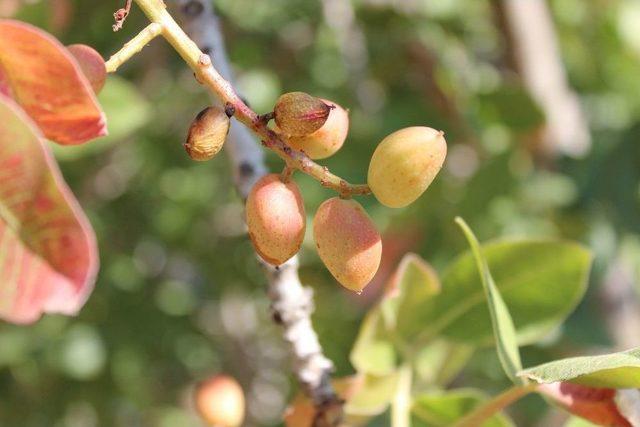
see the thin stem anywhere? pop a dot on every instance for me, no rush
(401, 405)
(207, 75)
(498, 403)
(121, 15)
(134, 46)
(286, 174)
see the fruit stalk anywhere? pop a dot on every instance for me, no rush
(208, 75)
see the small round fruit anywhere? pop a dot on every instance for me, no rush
(275, 218)
(299, 114)
(91, 63)
(347, 242)
(404, 165)
(220, 401)
(207, 134)
(327, 140)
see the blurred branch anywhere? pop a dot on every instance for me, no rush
(292, 304)
(425, 58)
(341, 19)
(621, 306)
(532, 46)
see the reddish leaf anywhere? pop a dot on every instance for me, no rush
(4, 84)
(49, 85)
(48, 255)
(597, 405)
(91, 63)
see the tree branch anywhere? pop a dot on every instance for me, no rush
(533, 46)
(133, 46)
(291, 303)
(209, 76)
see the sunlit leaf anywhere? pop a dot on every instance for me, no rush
(503, 330)
(373, 395)
(48, 255)
(440, 361)
(615, 370)
(541, 282)
(374, 352)
(412, 284)
(49, 85)
(445, 408)
(579, 422)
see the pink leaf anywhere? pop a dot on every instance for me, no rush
(48, 254)
(49, 85)
(597, 405)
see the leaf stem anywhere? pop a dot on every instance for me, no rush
(206, 74)
(401, 404)
(134, 46)
(483, 412)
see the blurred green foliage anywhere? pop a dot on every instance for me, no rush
(179, 294)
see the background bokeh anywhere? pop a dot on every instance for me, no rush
(180, 296)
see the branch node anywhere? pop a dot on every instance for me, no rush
(204, 60)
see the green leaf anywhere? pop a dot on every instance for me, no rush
(444, 409)
(374, 352)
(503, 329)
(615, 370)
(412, 284)
(512, 106)
(578, 422)
(440, 361)
(373, 395)
(541, 282)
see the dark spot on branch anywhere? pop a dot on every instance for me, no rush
(229, 109)
(246, 169)
(206, 50)
(277, 318)
(193, 8)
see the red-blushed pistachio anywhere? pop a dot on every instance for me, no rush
(220, 401)
(327, 140)
(91, 63)
(207, 134)
(347, 242)
(275, 218)
(405, 163)
(299, 114)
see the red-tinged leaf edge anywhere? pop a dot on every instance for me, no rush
(597, 405)
(49, 84)
(60, 271)
(92, 65)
